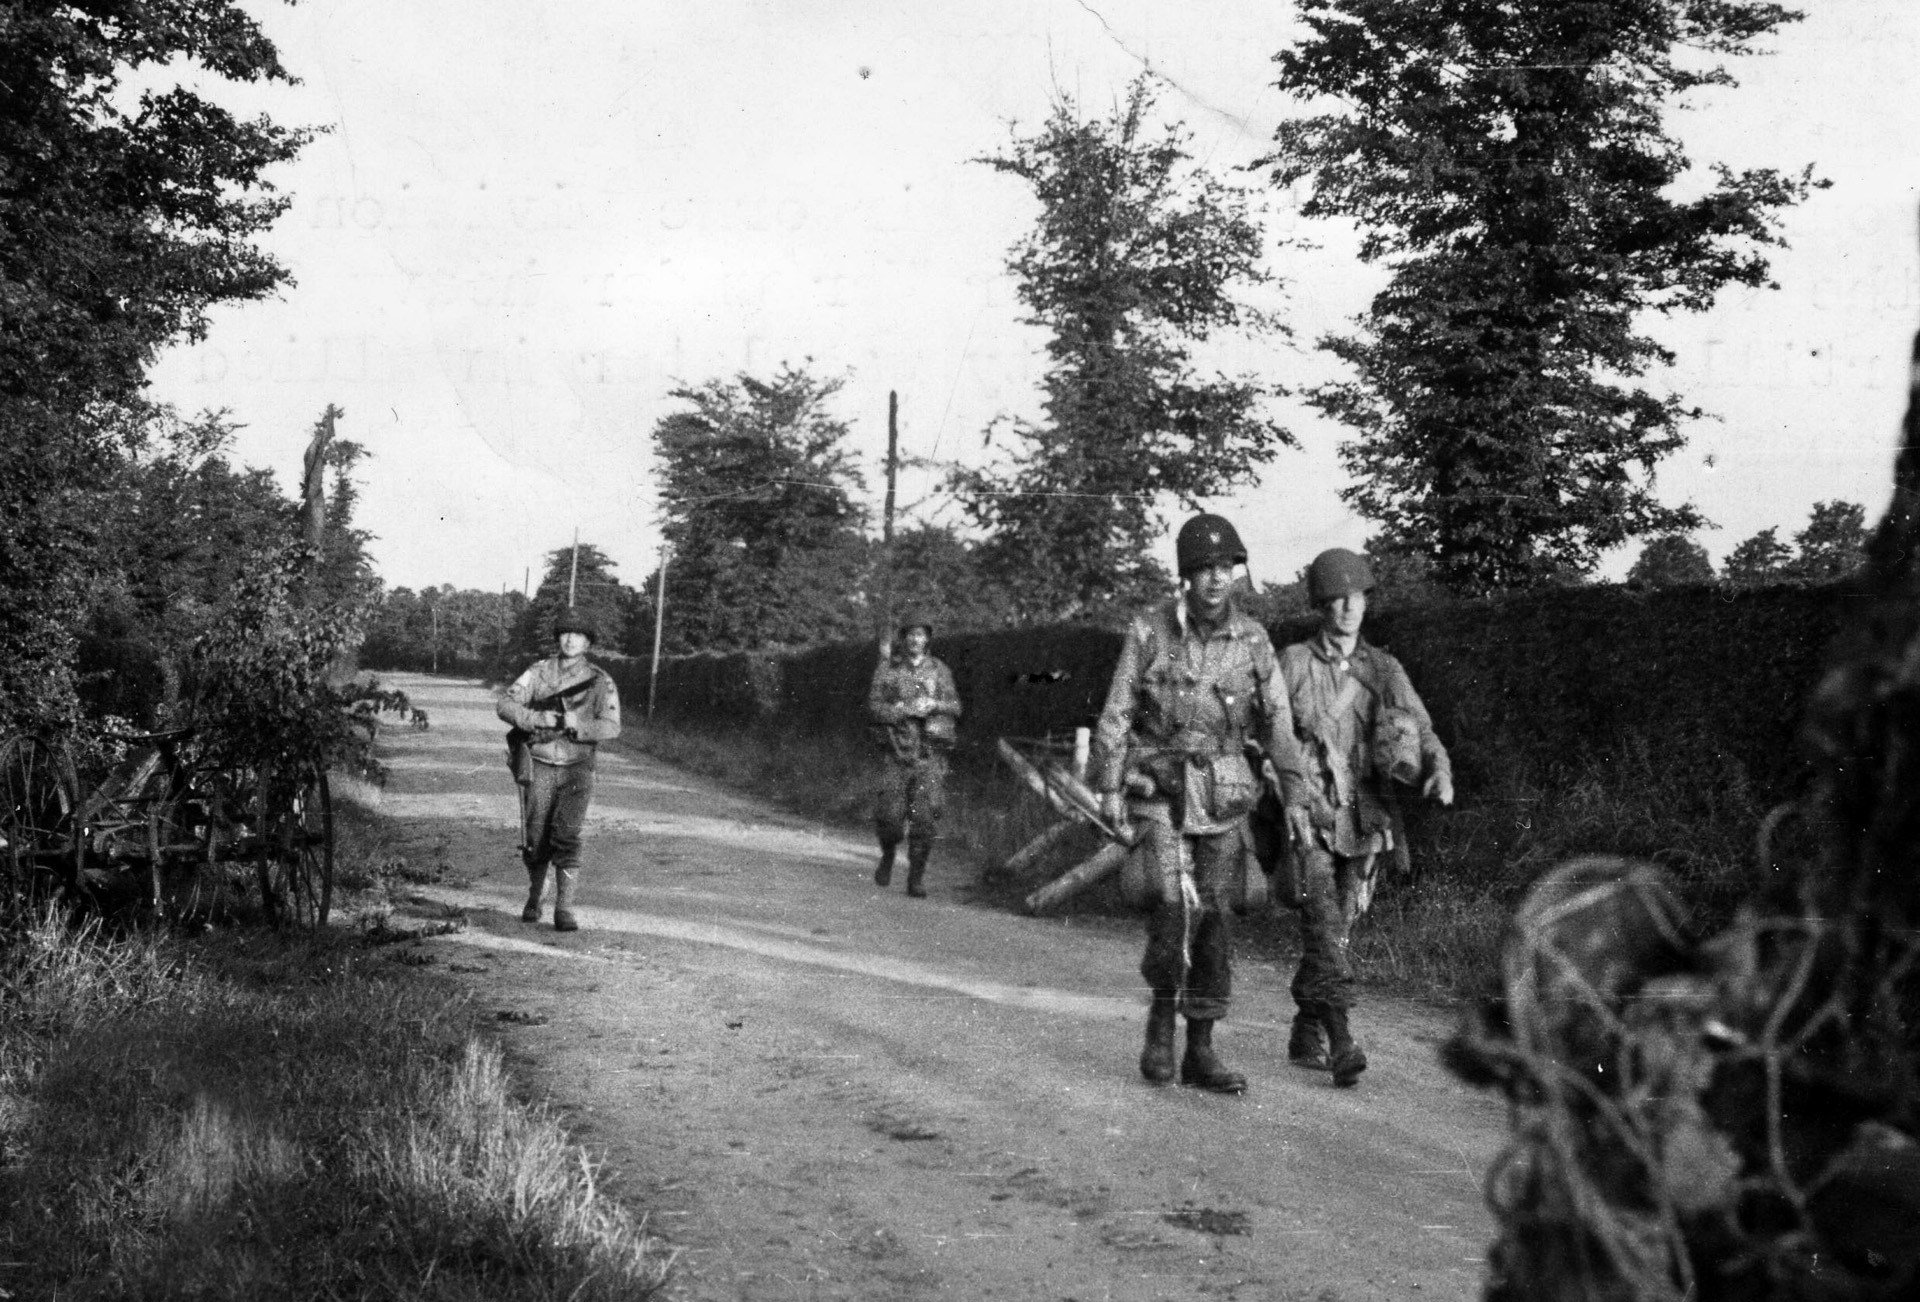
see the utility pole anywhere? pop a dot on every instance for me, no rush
(893, 464)
(573, 574)
(886, 515)
(436, 638)
(659, 623)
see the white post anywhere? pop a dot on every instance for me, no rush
(659, 622)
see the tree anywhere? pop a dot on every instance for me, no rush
(1759, 560)
(589, 577)
(1134, 259)
(1834, 543)
(1507, 160)
(124, 217)
(758, 493)
(932, 570)
(1671, 561)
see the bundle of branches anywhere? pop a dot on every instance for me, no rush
(1733, 1116)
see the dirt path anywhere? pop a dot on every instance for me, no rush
(820, 1090)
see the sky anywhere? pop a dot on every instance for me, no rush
(526, 224)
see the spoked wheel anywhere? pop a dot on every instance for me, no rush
(38, 799)
(297, 863)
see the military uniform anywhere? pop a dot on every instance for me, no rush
(914, 707)
(1186, 698)
(1347, 709)
(556, 771)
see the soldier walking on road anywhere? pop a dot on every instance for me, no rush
(914, 707)
(1364, 729)
(1197, 681)
(560, 709)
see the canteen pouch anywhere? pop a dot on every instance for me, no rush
(1232, 789)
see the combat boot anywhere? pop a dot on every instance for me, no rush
(536, 887)
(1202, 1068)
(1307, 1043)
(564, 880)
(883, 875)
(917, 852)
(1156, 1059)
(1348, 1059)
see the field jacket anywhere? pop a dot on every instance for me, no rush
(1184, 702)
(587, 690)
(1337, 703)
(914, 707)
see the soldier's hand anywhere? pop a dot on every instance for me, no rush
(1113, 809)
(1299, 826)
(1438, 787)
(553, 719)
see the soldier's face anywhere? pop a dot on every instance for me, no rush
(573, 644)
(1343, 615)
(1209, 588)
(914, 642)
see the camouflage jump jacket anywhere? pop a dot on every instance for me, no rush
(1337, 701)
(913, 706)
(1183, 702)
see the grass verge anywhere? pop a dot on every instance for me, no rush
(247, 1115)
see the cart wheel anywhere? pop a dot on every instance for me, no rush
(38, 797)
(299, 833)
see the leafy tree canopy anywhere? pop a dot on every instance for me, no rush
(1670, 561)
(588, 575)
(124, 217)
(1507, 159)
(1136, 256)
(758, 490)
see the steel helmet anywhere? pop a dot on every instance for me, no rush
(1207, 540)
(1336, 572)
(915, 619)
(575, 620)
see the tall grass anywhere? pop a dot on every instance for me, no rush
(251, 1116)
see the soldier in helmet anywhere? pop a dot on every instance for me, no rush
(560, 709)
(1196, 685)
(1364, 730)
(914, 707)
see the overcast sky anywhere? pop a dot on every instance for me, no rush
(529, 222)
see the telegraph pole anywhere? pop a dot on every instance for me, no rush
(573, 574)
(893, 464)
(659, 623)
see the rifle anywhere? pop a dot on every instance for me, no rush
(521, 740)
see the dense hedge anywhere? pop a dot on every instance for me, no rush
(1711, 678)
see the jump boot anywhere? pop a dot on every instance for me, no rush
(1307, 1043)
(1202, 1068)
(883, 875)
(1156, 1059)
(917, 852)
(536, 887)
(564, 880)
(1348, 1058)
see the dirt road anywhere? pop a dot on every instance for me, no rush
(822, 1090)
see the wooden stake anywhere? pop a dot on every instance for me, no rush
(1023, 858)
(1103, 863)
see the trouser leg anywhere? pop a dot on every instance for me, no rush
(926, 807)
(567, 833)
(536, 841)
(1190, 945)
(1324, 981)
(890, 806)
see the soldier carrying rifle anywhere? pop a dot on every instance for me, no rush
(560, 709)
(1196, 686)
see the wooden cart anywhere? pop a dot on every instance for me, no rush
(165, 826)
